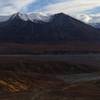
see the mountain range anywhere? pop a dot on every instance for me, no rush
(58, 28)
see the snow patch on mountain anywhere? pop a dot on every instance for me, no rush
(34, 17)
(23, 16)
(39, 16)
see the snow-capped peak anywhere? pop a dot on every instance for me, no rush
(34, 17)
(39, 16)
(23, 16)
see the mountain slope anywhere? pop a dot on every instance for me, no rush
(4, 18)
(96, 25)
(60, 28)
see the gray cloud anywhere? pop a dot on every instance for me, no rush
(8, 7)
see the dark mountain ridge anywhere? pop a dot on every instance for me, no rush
(61, 28)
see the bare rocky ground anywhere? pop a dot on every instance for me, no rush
(48, 81)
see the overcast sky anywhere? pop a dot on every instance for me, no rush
(71, 7)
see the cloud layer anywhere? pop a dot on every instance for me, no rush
(72, 6)
(81, 9)
(8, 7)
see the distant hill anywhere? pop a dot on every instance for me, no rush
(96, 25)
